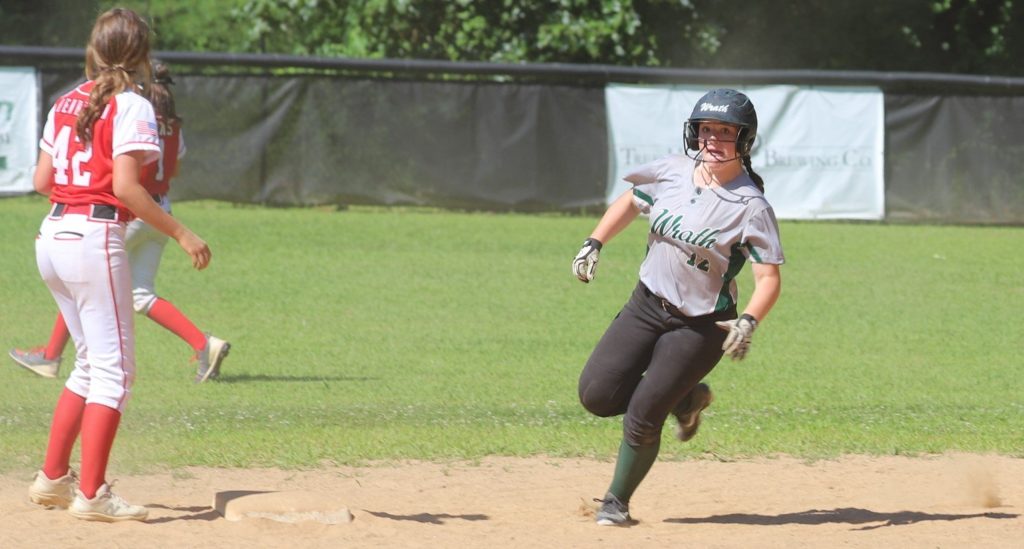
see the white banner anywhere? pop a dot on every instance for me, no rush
(820, 150)
(19, 128)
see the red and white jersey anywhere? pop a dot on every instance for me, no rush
(85, 174)
(156, 177)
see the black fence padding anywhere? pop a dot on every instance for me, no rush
(323, 140)
(955, 158)
(954, 151)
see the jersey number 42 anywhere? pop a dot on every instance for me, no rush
(61, 149)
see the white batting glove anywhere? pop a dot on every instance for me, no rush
(585, 263)
(737, 343)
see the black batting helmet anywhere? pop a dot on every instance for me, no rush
(728, 107)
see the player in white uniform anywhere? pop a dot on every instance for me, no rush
(145, 246)
(95, 141)
(708, 216)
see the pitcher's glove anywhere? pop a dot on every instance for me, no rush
(737, 343)
(585, 263)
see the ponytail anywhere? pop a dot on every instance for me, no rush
(116, 57)
(758, 180)
(108, 83)
(160, 95)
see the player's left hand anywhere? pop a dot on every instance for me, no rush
(741, 330)
(585, 262)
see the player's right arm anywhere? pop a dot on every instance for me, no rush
(135, 144)
(42, 179)
(617, 217)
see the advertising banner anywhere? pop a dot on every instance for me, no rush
(19, 128)
(820, 150)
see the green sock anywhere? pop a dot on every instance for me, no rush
(631, 468)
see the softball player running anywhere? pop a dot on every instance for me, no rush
(95, 140)
(145, 246)
(708, 216)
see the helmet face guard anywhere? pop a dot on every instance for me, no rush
(725, 106)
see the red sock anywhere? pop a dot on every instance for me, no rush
(67, 422)
(167, 315)
(99, 426)
(58, 339)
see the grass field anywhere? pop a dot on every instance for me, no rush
(381, 334)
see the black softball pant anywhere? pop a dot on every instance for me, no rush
(647, 362)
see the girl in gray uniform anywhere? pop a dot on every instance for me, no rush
(708, 216)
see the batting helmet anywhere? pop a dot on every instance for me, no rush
(728, 107)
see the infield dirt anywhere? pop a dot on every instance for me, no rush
(947, 501)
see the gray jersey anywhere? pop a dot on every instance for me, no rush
(700, 237)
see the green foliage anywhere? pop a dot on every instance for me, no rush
(968, 36)
(579, 31)
(372, 334)
(971, 36)
(46, 22)
(191, 25)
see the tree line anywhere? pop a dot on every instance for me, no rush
(951, 36)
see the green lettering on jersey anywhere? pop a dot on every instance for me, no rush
(665, 223)
(668, 225)
(708, 240)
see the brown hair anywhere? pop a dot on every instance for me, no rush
(160, 95)
(758, 180)
(116, 57)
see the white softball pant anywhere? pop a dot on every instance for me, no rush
(84, 263)
(145, 246)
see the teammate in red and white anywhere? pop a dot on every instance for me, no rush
(145, 246)
(96, 139)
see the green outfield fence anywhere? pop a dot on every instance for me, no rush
(290, 130)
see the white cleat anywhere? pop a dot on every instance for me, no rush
(106, 506)
(210, 358)
(53, 493)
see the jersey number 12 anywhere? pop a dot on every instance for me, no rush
(699, 262)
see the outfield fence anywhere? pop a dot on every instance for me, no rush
(289, 130)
